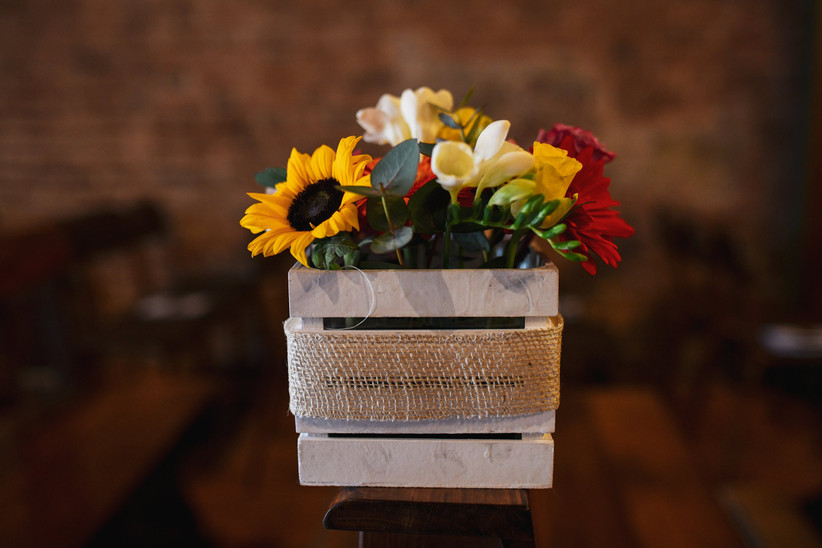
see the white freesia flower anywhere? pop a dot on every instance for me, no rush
(453, 164)
(413, 115)
(492, 162)
(384, 123)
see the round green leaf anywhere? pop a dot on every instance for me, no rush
(271, 176)
(375, 212)
(397, 170)
(386, 243)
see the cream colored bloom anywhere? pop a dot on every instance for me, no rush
(453, 164)
(492, 161)
(415, 114)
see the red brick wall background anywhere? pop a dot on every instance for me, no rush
(183, 101)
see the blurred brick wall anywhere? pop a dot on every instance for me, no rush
(182, 101)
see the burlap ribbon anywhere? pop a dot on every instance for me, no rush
(423, 375)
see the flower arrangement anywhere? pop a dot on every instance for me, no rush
(452, 191)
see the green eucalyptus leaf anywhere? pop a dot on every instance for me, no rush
(426, 149)
(472, 241)
(386, 243)
(428, 206)
(449, 120)
(396, 171)
(375, 213)
(362, 190)
(271, 176)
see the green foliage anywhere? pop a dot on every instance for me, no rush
(466, 98)
(449, 121)
(327, 251)
(428, 206)
(475, 127)
(552, 232)
(376, 213)
(388, 242)
(396, 172)
(271, 176)
(426, 149)
(362, 190)
(472, 241)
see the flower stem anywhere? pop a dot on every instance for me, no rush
(390, 225)
(451, 219)
(513, 245)
(446, 250)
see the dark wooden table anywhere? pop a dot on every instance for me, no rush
(434, 517)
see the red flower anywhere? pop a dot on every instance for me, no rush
(580, 139)
(593, 222)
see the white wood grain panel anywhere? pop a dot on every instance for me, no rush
(423, 293)
(456, 463)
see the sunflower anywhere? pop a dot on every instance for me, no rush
(308, 205)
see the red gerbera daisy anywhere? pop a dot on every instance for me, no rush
(593, 222)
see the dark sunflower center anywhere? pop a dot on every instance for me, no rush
(315, 204)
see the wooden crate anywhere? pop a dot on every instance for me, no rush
(497, 451)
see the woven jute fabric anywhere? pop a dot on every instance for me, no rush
(423, 375)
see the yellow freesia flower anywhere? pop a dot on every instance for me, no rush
(308, 205)
(463, 116)
(555, 170)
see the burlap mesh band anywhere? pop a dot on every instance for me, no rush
(420, 375)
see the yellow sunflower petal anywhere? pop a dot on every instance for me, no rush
(297, 172)
(267, 242)
(256, 223)
(298, 247)
(279, 242)
(342, 168)
(351, 216)
(272, 209)
(321, 162)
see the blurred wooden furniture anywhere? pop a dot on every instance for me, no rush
(433, 517)
(61, 482)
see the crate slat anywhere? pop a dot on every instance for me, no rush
(316, 293)
(448, 463)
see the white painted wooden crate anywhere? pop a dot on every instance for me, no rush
(489, 452)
